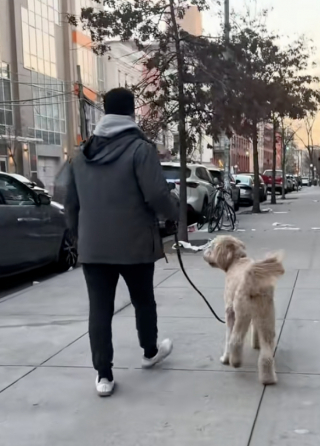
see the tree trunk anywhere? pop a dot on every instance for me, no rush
(183, 220)
(274, 164)
(284, 178)
(226, 176)
(256, 198)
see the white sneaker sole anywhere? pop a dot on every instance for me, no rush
(105, 393)
(151, 364)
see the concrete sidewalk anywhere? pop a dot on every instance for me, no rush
(47, 383)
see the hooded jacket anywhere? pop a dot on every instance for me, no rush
(115, 191)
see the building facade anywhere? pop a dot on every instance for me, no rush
(42, 59)
(240, 152)
(192, 21)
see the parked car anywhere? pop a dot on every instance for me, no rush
(262, 186)
(267, 178)
(293, 180)
(245, 184)
(29, 183)
(199, 184)
(166, 229)
(33, 230)
(290, 182)
(234, 191)
(306, 181)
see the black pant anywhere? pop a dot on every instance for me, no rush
(102, 281)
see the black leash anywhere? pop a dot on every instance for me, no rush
(189, 280)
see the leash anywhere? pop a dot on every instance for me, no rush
(190, 281)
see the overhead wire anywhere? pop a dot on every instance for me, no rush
(23, 101)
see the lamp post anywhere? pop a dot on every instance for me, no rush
(310, 174)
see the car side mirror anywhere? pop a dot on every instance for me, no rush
(44, 200)
(171, 186)
(238, 181)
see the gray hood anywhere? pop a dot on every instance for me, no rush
(112, 136)
(112, 125)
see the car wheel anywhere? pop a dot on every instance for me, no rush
(68, 256)
(237, 205)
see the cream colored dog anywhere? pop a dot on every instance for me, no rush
(248, 298)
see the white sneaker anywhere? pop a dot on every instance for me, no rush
(165, 348)
(104, 387)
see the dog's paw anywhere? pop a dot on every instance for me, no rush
(225, 360)
(236, 363)
(269, 380)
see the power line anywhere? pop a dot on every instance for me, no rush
(38, 105)
(22, 101)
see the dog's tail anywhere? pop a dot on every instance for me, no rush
(268, 269)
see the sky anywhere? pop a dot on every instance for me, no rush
(290, 19)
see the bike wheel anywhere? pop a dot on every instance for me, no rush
(215, 217)
(227, 221)
(203, 217)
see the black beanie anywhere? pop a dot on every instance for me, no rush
(119, 101)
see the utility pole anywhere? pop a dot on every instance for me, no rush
(227, 21)
(83, 120)
(200, 147)
(228, 140)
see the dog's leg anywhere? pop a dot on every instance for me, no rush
(230, 318)
(266, 327)
(254, 338)
(239, 332)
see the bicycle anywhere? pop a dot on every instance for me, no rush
(219, 214)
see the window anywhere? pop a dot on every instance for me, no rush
(38, 22)
(202, 173)
(244, 179)
(88, 63)
(216, 174)
(6, 115)
(173, 172)
(101, 84)
(14, 193)
(3, 165)
(49, 109)
(94, 117)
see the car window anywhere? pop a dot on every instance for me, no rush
(207, 175)
(173, 172)
(14, 193)
(268, 173)
(244, 179)
(216, 174)
(202, 173)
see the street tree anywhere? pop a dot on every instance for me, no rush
(270, 85)
(308, 140)
(168, 87)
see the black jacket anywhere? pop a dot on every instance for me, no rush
(116, 190)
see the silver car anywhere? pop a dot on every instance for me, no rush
(200, 185)
(33, 231)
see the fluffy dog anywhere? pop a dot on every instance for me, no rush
(248, 298)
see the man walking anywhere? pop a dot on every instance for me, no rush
(116, 190)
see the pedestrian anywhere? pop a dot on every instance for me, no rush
(115, 191)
